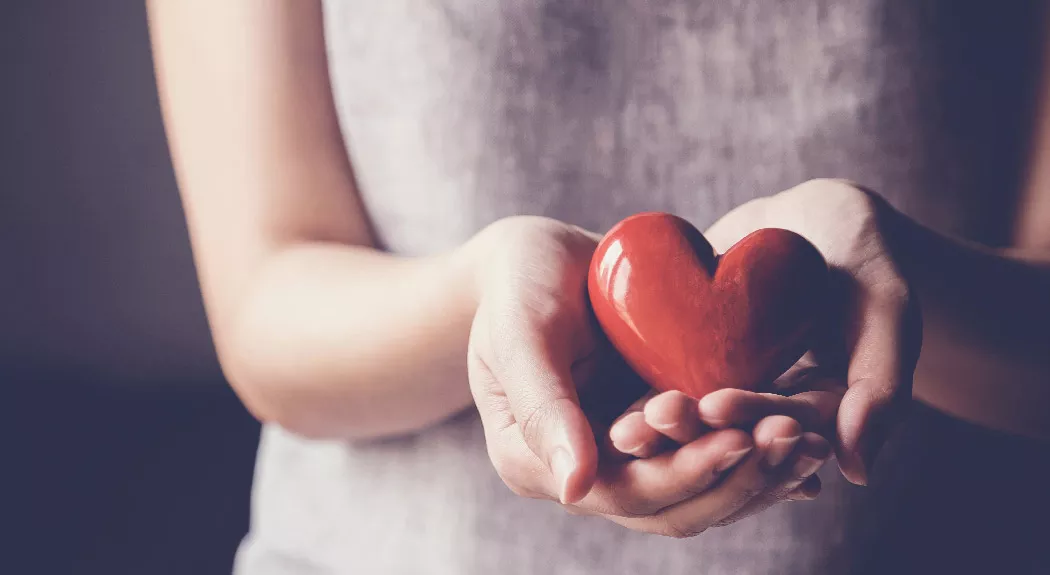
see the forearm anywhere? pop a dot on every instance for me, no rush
(986, 329)
(315, 330)
(342, 341)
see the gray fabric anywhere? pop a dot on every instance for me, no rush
(460, 112)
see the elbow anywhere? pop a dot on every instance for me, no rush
(269, 400)
(289, 371)
(262, 381)
(279, 389)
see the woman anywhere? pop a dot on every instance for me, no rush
(416, 343)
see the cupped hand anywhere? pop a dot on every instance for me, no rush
(659, 423)
(855, 383)
(535, 351)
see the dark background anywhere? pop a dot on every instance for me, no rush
(124, 450)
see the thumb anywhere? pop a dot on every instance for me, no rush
(880, 374)
(532, 363)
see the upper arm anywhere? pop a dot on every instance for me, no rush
(253, 133)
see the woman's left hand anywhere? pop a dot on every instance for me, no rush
(855, 383)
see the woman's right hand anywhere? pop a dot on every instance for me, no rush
(535, 349)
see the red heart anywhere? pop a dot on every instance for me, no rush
(687, 319)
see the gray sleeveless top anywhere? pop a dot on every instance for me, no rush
(460, 112)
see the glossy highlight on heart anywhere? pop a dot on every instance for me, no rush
(686, 318)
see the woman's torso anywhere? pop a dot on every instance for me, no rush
(460, 112)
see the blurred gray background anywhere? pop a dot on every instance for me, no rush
(130, 453)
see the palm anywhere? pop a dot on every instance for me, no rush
(544, 381)
(869, 348)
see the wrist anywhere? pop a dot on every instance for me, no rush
(484, 258)
(469, 261)
(984, 316)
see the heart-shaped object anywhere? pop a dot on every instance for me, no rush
(686, 318)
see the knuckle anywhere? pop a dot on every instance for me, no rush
(790, 484)
(529, 319)
(618, 503)
(631, 507)
(696, 489)
(893, 290)
(744, 496)
(871, 391)
(533, 420)
(825, 187)
(516, 234)
(540, 305)
(528, 295)
(678, 531)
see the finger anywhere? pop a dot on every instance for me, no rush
(531, 364)
(812, 452)
(748, 479)
(644, 486)
(514, 462)
(519, 468)
(554, 427)
(812, 372)
(880, 379)
(630, 435)
(693, 516)
(675, 415)
(633, 436)
(815, 410)
(776, 437)
(809, 490)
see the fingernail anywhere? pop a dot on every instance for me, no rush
(807, 466)
(799, 496)
(663, 426)
(620, 444)
(802, 470)
(715, 423)
(779, 449)
(856, 477)
(562, 465)
(731, 459)
(629, 449)
(708, 419)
